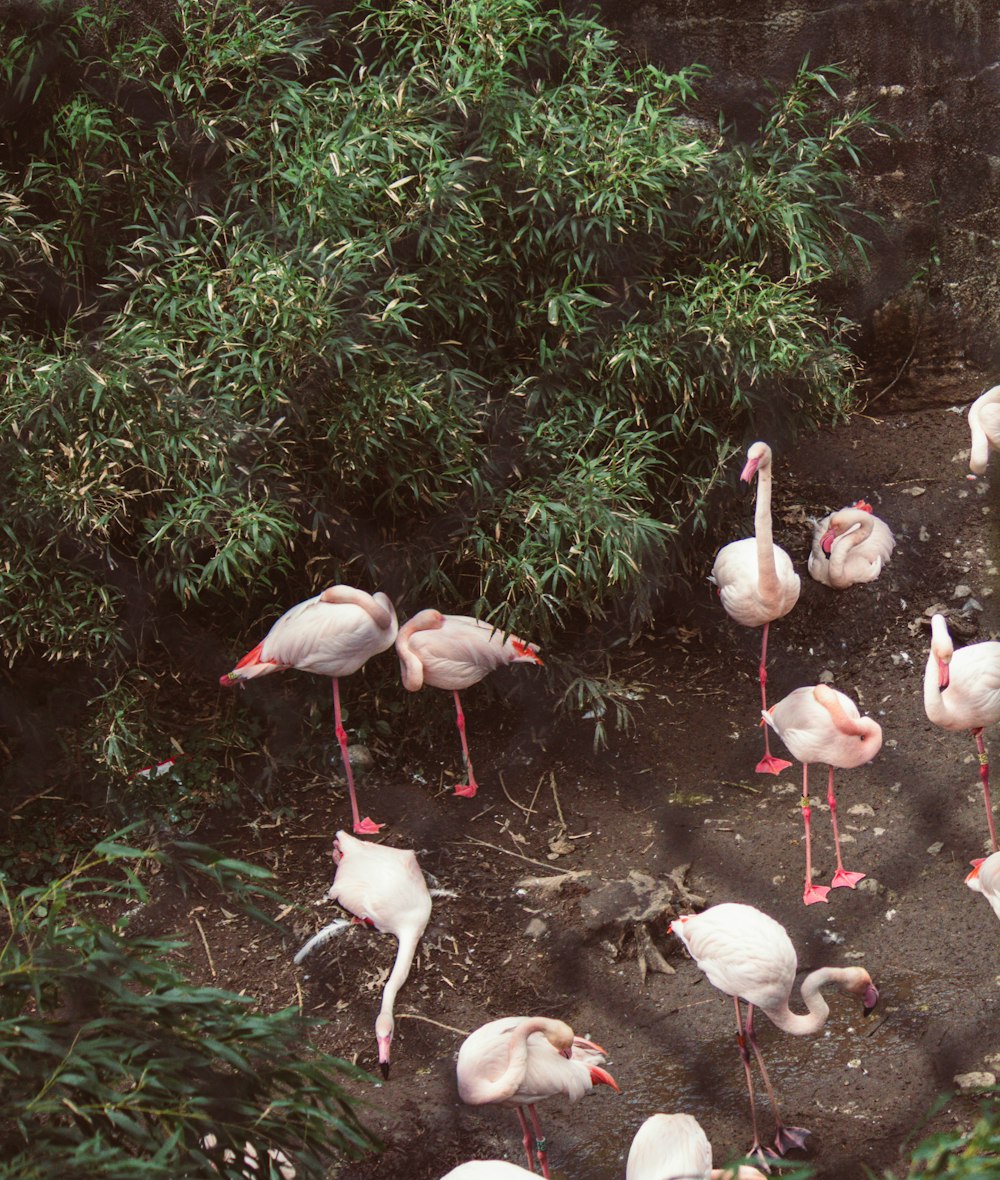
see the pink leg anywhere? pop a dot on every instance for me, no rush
(841, 877)
(362, 827)
(540, 1144)
(466, 790)
(769, 764)
(755, 1148)
(811, 893)
(527, 1139)
(984, 776)
(785, 1138)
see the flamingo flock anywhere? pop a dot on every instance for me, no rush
(519, 1061)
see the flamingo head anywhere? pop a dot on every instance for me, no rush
(384, 1028)
(759, 455)
(827, 540)
(859, 983)
(524, 651)
(863, 505)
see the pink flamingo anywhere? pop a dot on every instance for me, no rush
(984, 423)
(385, 888)
(819, 724)
(749, 956)
(488, 1170)
(669, 1146)
(985, 879)
(850, 546)
(332, 634)
(454, 652)
(519, 1060)
(962, 691)
(756, 580)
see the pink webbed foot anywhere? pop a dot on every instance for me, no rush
(467, 790)
(763, 1155)
(769, 764)
(814, 893)
(367, 827)
(790, 1138)
(846, 880)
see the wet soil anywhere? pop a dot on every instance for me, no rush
(681, 791)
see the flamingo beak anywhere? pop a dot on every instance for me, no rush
(383, 1055)
(944, 676)
(601, 1076)
(870, 998)
(826, 543)
(750, 470)
(583, 1043)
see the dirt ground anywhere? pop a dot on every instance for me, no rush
(682, 791)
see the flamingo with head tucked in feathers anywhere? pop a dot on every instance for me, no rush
(385, 888)
(520, 1060)
(332, 634)
(454, 652)
(488, 1170)
(749, 956)
(756, 580)
(674, 1147)
(850, 546)
(984, 423)
(819, 724)
(962, 691)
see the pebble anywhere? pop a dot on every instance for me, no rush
(935, 848)
(961, 591)
(977, 1080)
(536, 928)
(861, 809)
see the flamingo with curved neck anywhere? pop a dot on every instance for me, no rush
(819, 724)
(749, 956)
(962, 691)
(519, 1060)
(850, 546)
(984, 424)
(756, 580)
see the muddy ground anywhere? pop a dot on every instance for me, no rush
(681, 791)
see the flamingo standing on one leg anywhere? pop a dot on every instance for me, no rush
(850, 546)
(749, 956)
(519, 1060)
(756, 580)
(819, 724)
(454, 652)
(985, 879)
(674, 1147)
(332, 634)
(962, 691)
(984, 423)
(385, 888)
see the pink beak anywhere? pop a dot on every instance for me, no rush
(944, 676)
(826, 543)
(598, 1075)
(870, 998)
(750, 470)
(383, 1055)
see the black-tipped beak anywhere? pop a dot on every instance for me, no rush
(870, 999)
(384, 1067)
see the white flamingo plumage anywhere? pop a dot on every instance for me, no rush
(749, 956)
(984, 423)
(756, 580)
(819, 724)
(962, 691)
(382, 887)
(331, 634)
(454, 652)
(850, 546)
(520, 1060)
(488, 1170)
(985, 879)
(674, 1147)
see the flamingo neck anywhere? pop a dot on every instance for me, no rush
(862, 727)
(507, 1083)
(405, 951)
(767, 573)
(410, 665)
(800, 1024)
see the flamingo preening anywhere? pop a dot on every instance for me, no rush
(819, 724)
(850, 546)
(454, 652)
(331, 634)
(756, 580)
(749, 956)
(385, 888)
(674, 1147)
(962, 691)
(985, 879)
(520, 1060)
(984, 423)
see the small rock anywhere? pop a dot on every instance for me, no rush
(868, 885)
(536, 928)
(890, 914)
(961, 591)
(360, 758)
(935, 848)
(860, 809)
(826, 677)
(977, 1080)
(924, 534)
(915, 491)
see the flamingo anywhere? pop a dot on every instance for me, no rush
(984, 422)
(756, 580)
(962, 691)
(488, 1170)
(985, 879)
(850, 546)
(385, 888)
(519, 1060)
(331, 634)
(674, 1147)
(749, 956)
(454, 652)
(819, 724)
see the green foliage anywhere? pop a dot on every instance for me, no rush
(962, 1154)
(115, 1065)
(443, 299)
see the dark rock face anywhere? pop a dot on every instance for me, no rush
(930, 307)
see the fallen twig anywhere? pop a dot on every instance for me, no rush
(427, 1020)
(208, 953)
(506, 851)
